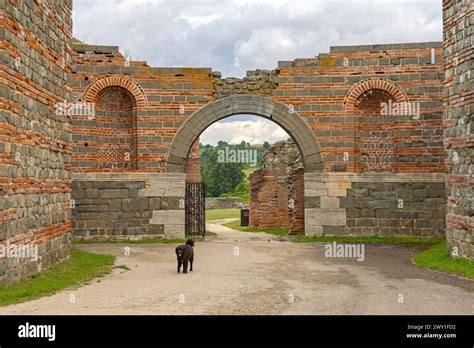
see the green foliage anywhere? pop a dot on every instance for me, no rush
(218, 177)
(241, 191)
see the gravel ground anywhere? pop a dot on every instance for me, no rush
(256, 273)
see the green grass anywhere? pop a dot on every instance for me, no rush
(144, 241)
(275, 231)
(369, 239)
(437, 258)
(80, 268)
(219, 214)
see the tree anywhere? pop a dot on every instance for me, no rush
(218, 177)
(266, 145)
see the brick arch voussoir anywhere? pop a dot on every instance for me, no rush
(131, 86)
(364, 86)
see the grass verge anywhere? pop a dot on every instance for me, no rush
(80, 268)
(275, 231)
(145, 241)
(437, 258)
(219, 214)
(369, 239)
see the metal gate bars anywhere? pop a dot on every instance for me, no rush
(195, 209)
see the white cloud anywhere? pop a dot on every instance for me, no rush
(209, 33)
(251, 129)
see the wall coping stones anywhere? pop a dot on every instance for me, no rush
(98, 49)
(384, 47)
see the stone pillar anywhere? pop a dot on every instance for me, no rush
(35, 141)
(459, 141)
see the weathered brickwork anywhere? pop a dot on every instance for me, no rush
(161, 99)
(325, 91)
(35, 148)
(459, 97)
(277, 189)
(193, 164)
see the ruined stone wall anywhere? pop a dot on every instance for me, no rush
(268, 199)
(459, 91)
(35, 141)
(162, 99)
(338, 94)
(138, 111)
(277, 189)
(326, 91)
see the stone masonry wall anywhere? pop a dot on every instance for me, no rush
(128, 206)
(459, 98)
(375, 204)
(35, 153)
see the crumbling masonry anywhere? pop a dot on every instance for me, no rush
(113, 163)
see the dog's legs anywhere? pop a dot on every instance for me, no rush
(191, 260)
(185, 266)
(179, 266)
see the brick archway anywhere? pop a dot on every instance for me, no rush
(279, 113)
(131, 86)
(373, 84)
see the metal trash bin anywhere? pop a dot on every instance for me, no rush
(244, 217)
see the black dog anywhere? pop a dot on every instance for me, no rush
(185, 254)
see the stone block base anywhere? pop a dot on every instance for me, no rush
(128, 206)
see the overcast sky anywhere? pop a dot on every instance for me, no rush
(233, 36)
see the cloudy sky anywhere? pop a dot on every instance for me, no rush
(233, 36)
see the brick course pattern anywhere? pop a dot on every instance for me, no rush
(459, 140)
(277, 189)
(34, 136)
(145, 121)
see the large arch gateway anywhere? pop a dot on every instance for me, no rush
(279, 113)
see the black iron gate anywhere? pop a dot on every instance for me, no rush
(195, 208)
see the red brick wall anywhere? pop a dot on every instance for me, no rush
(193, 164)
(323, 90)
(268, 200)
(164, 98)
(296, 196)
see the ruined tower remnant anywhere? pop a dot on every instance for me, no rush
(277, 189)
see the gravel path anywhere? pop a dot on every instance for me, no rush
(256, 273)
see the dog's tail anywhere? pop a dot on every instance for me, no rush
(190, 242)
